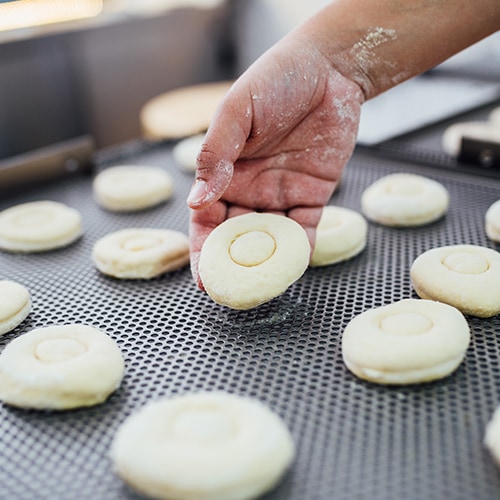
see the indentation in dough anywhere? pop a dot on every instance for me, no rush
(466, 263)
(140, 243)
(408, 323)
(203, 426)
(33, 218)
(58, 350)
(405, 187)
(252, 248)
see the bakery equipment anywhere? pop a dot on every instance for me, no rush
(355, 440)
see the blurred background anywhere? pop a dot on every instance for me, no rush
(86, 67)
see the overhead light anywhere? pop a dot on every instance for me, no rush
(29, 13)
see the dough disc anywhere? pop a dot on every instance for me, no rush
(492, 222)
(182, 112)
(250, 259)
(60, 367)
(15, 305)
(141, 253)
(481, 131)
(39, 226)
(407, 342)
(203, 446)
(128, 188)
(186, 151)
(404, 200)
(464, 276)
(340, 235)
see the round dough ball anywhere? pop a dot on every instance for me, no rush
(250, 259)
(39, 226)
(404, 200)
(340, 235)
(182, 112)
(59, 368)
(15, 305)
(186, 151)
(141, 253)
(407, 342)
(203, 446)
(464, 276)
(478, 130)
(129, 188)
(492, 435)
(492, 222)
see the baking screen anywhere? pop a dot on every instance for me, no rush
(355, 440)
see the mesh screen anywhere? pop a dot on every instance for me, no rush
(355, 440)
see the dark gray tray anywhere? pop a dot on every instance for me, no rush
(355, 440)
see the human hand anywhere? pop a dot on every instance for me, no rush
(277, 143)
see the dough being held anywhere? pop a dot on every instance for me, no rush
(141, 253)
(341, 235)
(250, 259)
(203, 446)
(464, 276)
(39, 226)
(129, 188)
(60, 367)
(407, 342)
(15, 305)
(405, 200)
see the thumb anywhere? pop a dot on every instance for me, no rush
(222, 146)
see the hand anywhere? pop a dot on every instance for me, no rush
(277, 143)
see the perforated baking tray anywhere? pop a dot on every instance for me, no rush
(355, 440)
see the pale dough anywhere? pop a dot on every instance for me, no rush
(203, 446)
(492, 435)
(182, 112)
(15, 305)
(492, 222)
(404, 200)
(127, 188)
(407, 342)
(250, 259)
(60, 367)
(495, 117)
(186, 151)
(464, 276)
(340, 235)
(39, 226)
(478, 130)
(141, 253)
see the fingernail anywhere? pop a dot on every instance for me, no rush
(198, 192)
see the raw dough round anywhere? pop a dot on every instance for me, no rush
(39, 226)
(128, 188)
(464, 276)
(492, 222)
(182, 112)
(404, 200)
(492, 435)
(407, 342)
(60, 367)
(495, 117)
(479, 130)
(15, 305)
(203, 446)
(141, 253)
(250, 259)
(186, 151)
(341, 234)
